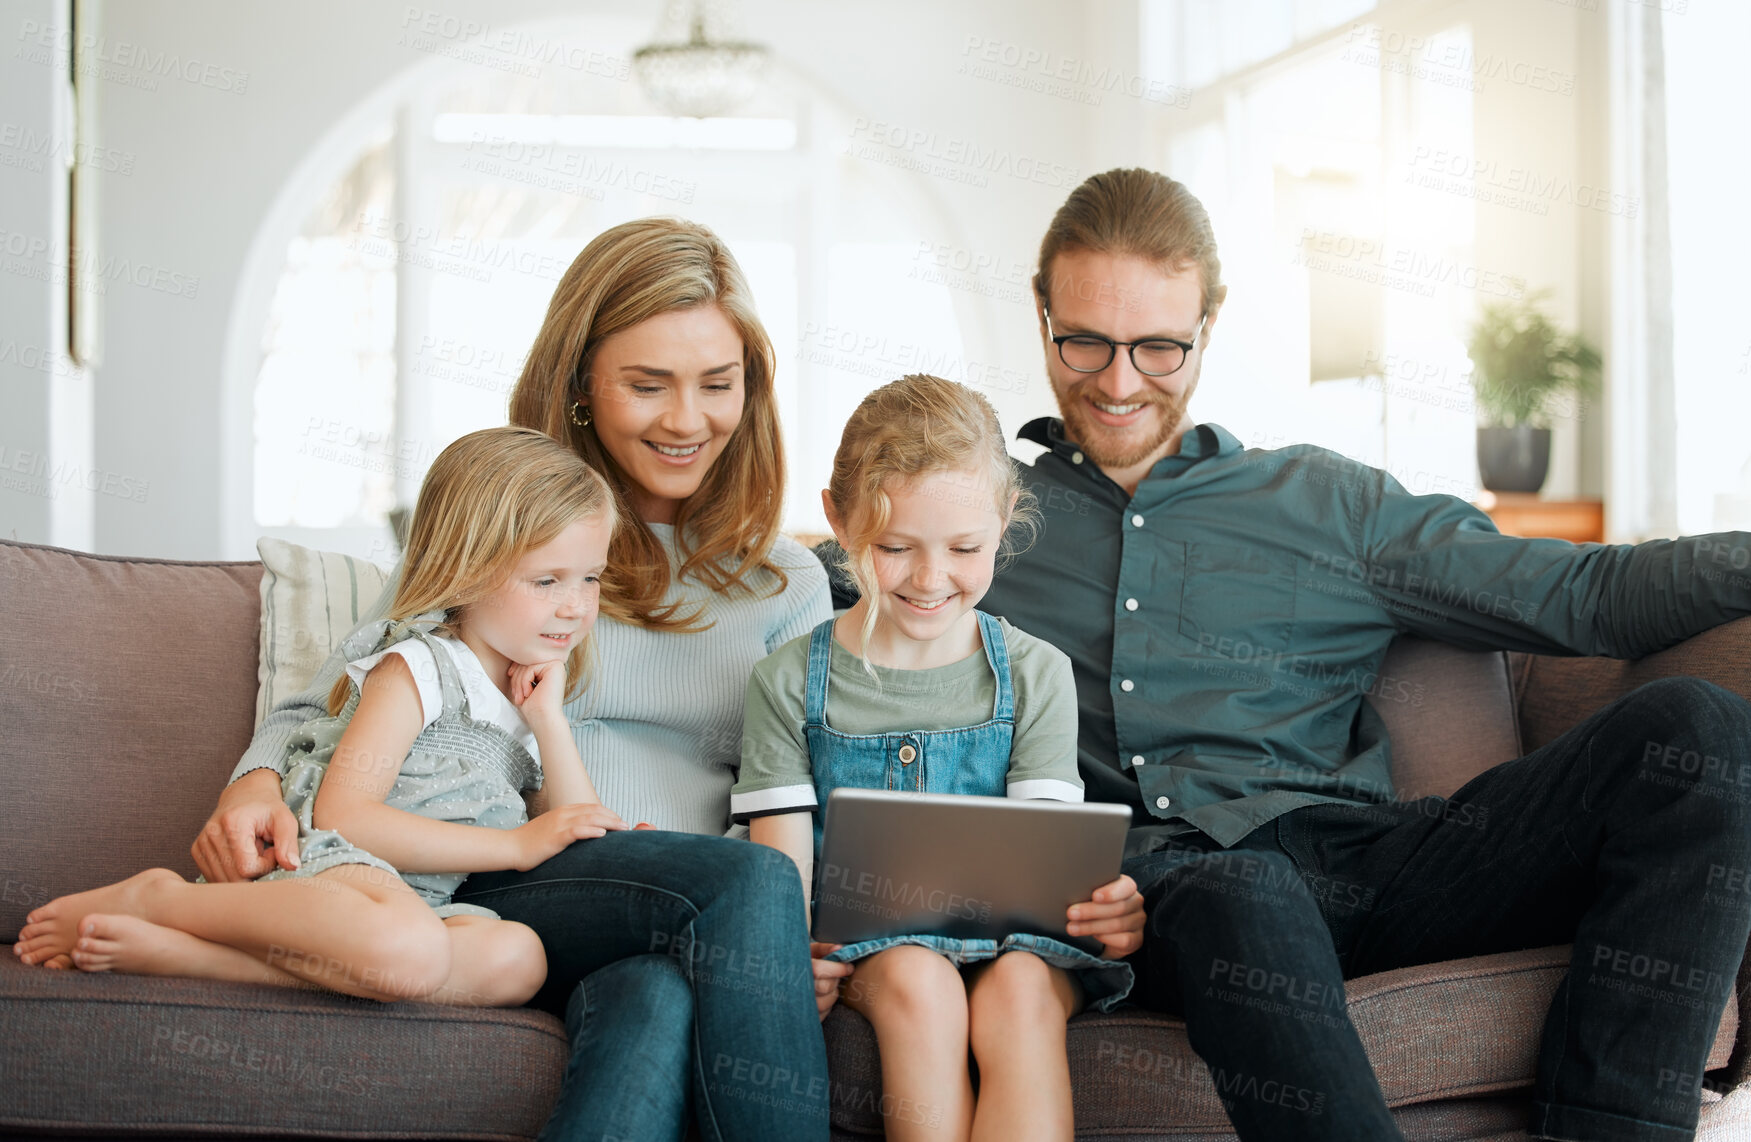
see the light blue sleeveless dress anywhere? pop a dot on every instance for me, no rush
(972, 760)
(460, 770)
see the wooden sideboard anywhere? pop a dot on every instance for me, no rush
(1528, 514)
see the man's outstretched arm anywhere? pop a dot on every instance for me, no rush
(1443, 571)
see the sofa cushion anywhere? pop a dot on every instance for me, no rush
(310, 601)
(126, 687)
(138, 1055)
(1450, 1030)
(1450, 714)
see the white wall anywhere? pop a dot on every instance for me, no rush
(211, 158)
(47, 478)
(221, 107)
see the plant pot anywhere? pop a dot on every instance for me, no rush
(1513, 459)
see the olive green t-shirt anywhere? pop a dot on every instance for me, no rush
(775, 775)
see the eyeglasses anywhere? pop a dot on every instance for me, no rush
(1155, 357)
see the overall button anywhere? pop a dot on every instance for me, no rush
(1136, 759)
(1162, 802)
(908, 755)
(1076, 457)
(1130, 604)
(1136, 521)
(1127, 685)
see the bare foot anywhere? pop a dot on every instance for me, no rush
(51, 930)
(132, 946)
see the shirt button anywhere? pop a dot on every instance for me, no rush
(1076, 457)
(1127, 685)
(1130, 604)
(907, 755)
(1136, 759)
(1162, 802)
(1137, 521)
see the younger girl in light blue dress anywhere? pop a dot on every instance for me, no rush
(449, 716)
(914, 689)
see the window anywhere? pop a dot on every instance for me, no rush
(1710, 295)
(329, 346)
(1345, 316)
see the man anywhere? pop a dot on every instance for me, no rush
(1224, 608)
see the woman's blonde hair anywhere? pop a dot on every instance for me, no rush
(724, 531)
(917, 426)
(490, 498)
(1137, 213)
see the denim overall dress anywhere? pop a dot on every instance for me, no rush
(972, 760)
(458, 769)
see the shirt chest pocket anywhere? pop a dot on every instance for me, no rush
(1236, 602)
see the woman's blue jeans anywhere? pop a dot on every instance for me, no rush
(1629, 837)
(681, 964)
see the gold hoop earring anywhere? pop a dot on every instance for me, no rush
(588, 417)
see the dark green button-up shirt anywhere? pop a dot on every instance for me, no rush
(1225, 622)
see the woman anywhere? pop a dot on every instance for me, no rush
(669, 951)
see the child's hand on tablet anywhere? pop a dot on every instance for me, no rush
(1114, 917)
(828, 975)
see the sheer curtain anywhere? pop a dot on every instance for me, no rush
(1679, 366)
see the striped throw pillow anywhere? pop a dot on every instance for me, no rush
(310, 600)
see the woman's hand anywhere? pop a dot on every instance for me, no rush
(551, 833)
(828, 974)
(539, 691)
(250, 833)
(1115, 917)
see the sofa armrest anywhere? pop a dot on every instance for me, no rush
(1552, 695)
(1738, 1069)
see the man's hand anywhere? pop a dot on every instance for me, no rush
(250, 833)
(828, 974)
(1115, 917)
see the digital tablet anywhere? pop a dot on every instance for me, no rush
(909, 864)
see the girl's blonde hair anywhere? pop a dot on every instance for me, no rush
(917, 426)
(490, 498)
(724, 531)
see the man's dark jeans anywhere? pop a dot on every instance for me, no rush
(682, 966)
(1629, 836)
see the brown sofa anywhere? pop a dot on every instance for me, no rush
(126, 694)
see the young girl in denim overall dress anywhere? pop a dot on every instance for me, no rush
(912, 688)
(450, 712)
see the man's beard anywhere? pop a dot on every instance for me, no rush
(1104, 445)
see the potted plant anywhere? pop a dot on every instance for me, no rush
(1521, 364)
